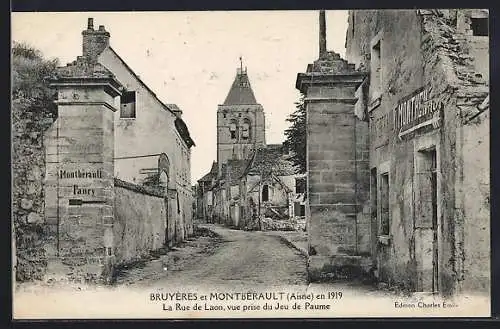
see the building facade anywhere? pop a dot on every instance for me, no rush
(117, 180)
(419, 81)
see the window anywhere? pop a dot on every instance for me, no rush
(300, 185)
(245, 133)
(373, 194)
(127, 105)
(376, 69)
(265, 193)
(302, 210)
(233, 129)
(479, 26)
(384, 204)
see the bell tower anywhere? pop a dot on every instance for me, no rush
(240, 121)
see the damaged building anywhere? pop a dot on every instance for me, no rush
(252, 185)
(398, 145)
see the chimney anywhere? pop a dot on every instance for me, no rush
(178, 113)
(94, 41)
(322, 33)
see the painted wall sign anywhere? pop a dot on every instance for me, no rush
(63, 174)
(416, 109)
(77, 189)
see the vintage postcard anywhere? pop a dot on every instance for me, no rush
(251, 164)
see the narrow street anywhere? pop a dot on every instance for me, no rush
(231, 257)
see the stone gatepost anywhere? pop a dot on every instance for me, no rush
(80, 183)
(337, 170)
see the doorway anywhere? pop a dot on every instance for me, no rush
(426, 219)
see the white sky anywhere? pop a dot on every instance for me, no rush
(190, 58)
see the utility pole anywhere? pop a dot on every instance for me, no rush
(260, 196)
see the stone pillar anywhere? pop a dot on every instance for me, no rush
(80, 170)
(337, 170)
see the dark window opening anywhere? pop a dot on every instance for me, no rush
(127, 104)
(384, 204)
(300, 185)
(265, 193)
(233, 129)
(376, 80)
(224, 115)
(479, 26)
(302, 210)
(373, 193)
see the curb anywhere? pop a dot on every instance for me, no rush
(292, 245)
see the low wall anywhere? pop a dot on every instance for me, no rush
(140, 221)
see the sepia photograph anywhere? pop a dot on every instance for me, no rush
(250, 164)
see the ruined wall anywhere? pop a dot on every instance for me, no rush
(476, 179)
(28, 173)
(140, 221)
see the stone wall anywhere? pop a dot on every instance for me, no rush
(28, 172)
(140, 221)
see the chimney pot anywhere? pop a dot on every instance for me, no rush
(90, 23)
(101, 28)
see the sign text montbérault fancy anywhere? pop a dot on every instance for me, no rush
(81, 174)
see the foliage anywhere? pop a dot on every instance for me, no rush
(296, 135)
(152, 180)
(30, 73)
(33, 110)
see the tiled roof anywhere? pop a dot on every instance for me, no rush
(234, 170)
(211, 174)
(271, 159)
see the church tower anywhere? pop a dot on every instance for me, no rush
(240, 121)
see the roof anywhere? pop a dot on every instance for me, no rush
(234, 170)
(271, 159)
(140, 81)
(211, 174)
(180, 125)
(241, 91)
(182, 128)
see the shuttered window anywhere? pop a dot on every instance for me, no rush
(426, 190)
(384, 204)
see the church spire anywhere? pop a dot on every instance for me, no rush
(241, 91)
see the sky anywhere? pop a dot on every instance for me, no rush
(190, 58)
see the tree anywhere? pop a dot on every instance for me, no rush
(30, 73)
(296, 135)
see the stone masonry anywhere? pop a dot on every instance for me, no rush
(79, 183)
(337, 166)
